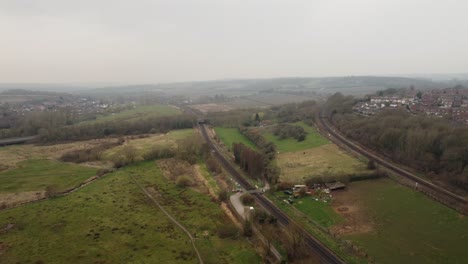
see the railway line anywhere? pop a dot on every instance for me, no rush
(323, 252)
(448, 198)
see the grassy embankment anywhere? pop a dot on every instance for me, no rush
(112, 221)
(233, 135)
(139, 112)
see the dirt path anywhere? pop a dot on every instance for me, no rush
(170, 217)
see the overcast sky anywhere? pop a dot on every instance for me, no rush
(141, 41)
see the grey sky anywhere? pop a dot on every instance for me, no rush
(175, 40)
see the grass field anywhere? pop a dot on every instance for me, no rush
(142, 145)
(323, 161)
(408, 226)
(313, 139)
(111, 221)
(36, 175)
(320, 212)
(316, 218)
(138, 113)
(232, 135)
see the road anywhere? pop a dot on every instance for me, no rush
(324, 254)
(448, 198)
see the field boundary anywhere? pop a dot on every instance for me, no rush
(64, 193)
(148, 195)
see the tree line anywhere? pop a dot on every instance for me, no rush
(434, 146)
(284, 131)
(115, 128)
(267, 151)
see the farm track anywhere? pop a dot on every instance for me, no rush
(173, 220)
(324, 254)
(438, 193)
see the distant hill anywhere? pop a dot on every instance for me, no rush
(328, 85)
(239, 87)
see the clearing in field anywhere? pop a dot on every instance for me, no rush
(407, 226)
(144, 144)
(10, 156)
(313, 139)
(139, 112)
(233, 135)
(111, 221)
(323, 161)
(36, 175)
(206, 108)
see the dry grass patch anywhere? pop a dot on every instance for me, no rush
(12, 199)
(320, 161)
(143, 144)
(11, 155)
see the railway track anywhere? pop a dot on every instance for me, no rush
(448, 198)
(323, 252)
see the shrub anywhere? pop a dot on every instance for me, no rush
(284, 185)
(371, 165)
(247, 228)
(247, 199)
(228, 231)
(223, 195)
(183, 181)
(159, 153)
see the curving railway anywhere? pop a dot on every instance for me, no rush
(321, 251)
(448, 198)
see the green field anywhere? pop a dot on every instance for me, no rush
(313, 139)
(324, 161)
(409, 227)
(318, 211)
(233, 135)
(111, 221)
(315, 218)
(36, 175)
(138, 113)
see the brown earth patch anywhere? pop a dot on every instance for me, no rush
(3, 248)
(173, 168)
(12, 199)
(356, 219)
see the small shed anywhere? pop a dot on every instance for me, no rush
(335, 185)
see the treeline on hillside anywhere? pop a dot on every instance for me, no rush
(267, 151)
(431, 145)
(284, 131)
(89, 154)
(236, 118)
(32, 123)
(116, 128)
(249, 160)
(295, 112)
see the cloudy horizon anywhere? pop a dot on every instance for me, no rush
(53, 41)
